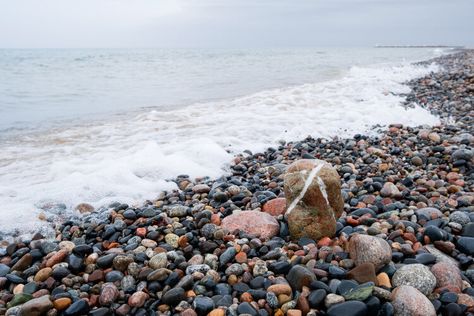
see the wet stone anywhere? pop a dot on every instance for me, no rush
(351, 308)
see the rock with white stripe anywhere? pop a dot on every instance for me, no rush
(313, 193)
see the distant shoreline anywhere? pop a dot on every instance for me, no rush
(419, 46)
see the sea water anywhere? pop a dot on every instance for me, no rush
(99, 126)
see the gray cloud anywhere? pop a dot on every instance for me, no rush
(234, 23)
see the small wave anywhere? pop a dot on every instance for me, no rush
(129, 160)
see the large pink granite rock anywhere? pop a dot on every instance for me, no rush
(252, 222)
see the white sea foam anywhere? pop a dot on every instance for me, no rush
(129, 160)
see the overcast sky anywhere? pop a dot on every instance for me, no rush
(234, 23)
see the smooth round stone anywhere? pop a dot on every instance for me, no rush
(386, 310)
(466, 245)
(227, 256)
(60, 272)
(417, 276)
(408, 301)
(425, 258)
(203, 305)
(174, 296)
(351, 308)
(75, 263)
(434, 233)
(316, 285)
(130, 214)
(240, 287)
(468, 230)
(364, 248)
(280, 267)
(79, 307)
(246, 308)
(373, 305)
(82, 250)
(448, 297)
(223, 289)
(4, 270)
(114, 276)
(13, 278)
(106, 261)
(256, 283)
(316, 298)
(453, 309)
(336, 272)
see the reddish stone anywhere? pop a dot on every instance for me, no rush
(123, 310)
(108, 294)
(182, 241)
(275, 207)
(365, 248)
(352, 221)
(137, 299)
(96, 276)
(445, 246)
(40, 293)
(215, 219)
(241, 257)
(363, 273)
(407, 300)
(467, 300)
(253, 223)
(302, 304)
(246, 297)
(141, 232)
(447, 276)
(452, 177)
(84, 208)
(57, 258)
(326, 241)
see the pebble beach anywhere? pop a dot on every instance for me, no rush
(403, 240)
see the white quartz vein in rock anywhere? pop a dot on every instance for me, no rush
(307, 183)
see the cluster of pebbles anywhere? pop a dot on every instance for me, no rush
(404, 244)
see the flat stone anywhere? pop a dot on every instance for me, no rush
(79, 307)
(360, 293)
(255, 223)
(363, 273)
(275, 207)
(174, 296)
(36, 307)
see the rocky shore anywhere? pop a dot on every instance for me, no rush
(403, 243)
